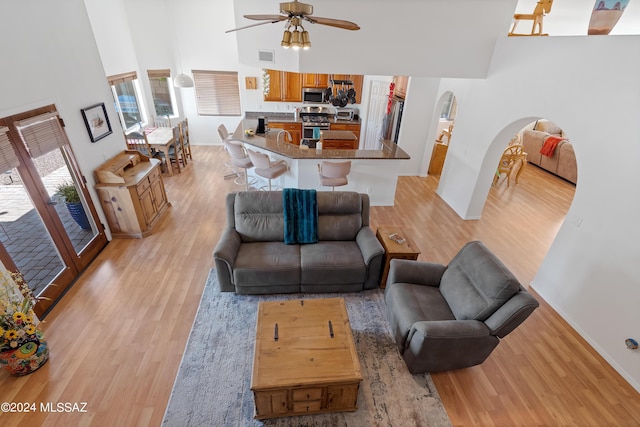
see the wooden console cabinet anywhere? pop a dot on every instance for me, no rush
(131, 193)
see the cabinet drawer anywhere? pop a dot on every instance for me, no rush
(155, 173)
(143, 186)
(312, 405)
(305, 394)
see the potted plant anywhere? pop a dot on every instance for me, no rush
(23, 348)
(69, 192)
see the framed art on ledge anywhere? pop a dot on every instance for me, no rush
(97, 121)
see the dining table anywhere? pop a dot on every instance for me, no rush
(161, 139)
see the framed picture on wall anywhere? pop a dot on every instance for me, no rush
(97, 121)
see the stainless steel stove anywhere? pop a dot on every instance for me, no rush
(315, 116)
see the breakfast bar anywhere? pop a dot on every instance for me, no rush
(374, 172)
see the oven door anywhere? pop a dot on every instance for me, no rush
(307, 131)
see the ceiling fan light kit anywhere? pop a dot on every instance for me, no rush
(294, 12)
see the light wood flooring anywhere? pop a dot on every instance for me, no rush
(117, 336)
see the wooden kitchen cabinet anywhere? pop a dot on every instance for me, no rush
(401, 86)
(291, 87)
(284, 86)
(314, 80)
(295, 129)
(351, 127)
(131, 193)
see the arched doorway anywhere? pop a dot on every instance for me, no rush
(447, 107)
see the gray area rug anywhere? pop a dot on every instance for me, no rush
(212, 387)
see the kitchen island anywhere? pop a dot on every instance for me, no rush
(374, 172)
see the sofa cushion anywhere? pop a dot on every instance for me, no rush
(409, 303)
(259, 216)
(332, 262)
(551, 128)
(267, 264)
(476, 283)
(339, 215)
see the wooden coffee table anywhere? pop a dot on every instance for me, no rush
(305, 361)
(397, 245)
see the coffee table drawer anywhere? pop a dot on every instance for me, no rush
(306, 394)
(310, 406)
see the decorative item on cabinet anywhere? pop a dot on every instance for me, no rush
(131, 193)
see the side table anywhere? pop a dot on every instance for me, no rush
(397, 245)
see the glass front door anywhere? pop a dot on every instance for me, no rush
(44, 236)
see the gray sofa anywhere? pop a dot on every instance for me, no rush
(453, 316)
(252, 258)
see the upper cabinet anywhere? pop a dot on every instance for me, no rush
(401, 86)
(315, 80)
(287, 87)
(284, 86)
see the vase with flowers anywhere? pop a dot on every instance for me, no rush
(23, 348)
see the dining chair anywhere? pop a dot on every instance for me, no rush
(512, 156)
(265, 168)
(334, 174)
(162, 122)
(186, 143)
(138, 141)
(176, 154)
(240, 160)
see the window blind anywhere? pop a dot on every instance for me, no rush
(121, 78)
(8, 157)
(41, 134)
(217, 93)
(159, 74)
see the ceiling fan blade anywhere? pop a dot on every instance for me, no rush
(274, 18)
(252, 25)
(339, 23)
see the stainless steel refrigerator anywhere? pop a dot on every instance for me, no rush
(391, 124)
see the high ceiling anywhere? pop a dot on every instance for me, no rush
(571, 17)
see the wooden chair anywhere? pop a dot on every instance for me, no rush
(334, 174)
(162, 122)
(184, 132)
(511, 157)
(138, 141)
(542, 8)
(176, 154)
(447, 133)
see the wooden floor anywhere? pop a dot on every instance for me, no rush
(117, 336)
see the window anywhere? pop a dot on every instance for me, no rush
(163, 97)
(127, 99)
(217, 93)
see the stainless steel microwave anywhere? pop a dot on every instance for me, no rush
(312, 95)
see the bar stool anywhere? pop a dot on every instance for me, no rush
(223, 133)
(264, 167)
(240, 160)
(334, 174)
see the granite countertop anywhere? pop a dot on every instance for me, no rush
(268, 142)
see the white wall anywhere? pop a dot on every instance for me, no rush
(55, 61)
(591, 273)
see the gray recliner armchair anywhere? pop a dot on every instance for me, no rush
(452, 317)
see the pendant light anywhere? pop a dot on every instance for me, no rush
(182, 79)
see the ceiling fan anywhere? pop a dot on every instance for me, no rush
(294, 12)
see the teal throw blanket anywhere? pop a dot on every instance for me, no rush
(300, 216)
